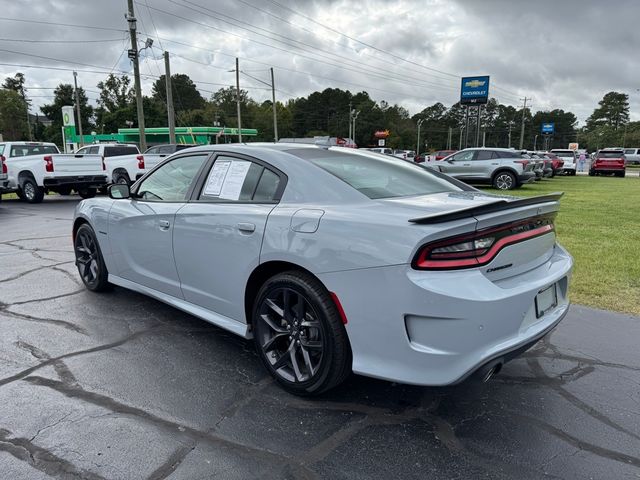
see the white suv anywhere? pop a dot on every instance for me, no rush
(569, 158)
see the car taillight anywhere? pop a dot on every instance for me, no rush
(481, 247)
(140, 162)
(48, 163)
(4, 164)
(523, 162)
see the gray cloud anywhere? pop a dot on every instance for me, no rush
(563, 54)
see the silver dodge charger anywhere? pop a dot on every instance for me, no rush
(334, 260)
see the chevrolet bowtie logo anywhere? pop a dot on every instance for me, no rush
(475, 83)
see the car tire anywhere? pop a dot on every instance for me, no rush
(89, 260)
(592, 173)
(299, 334)
(31, 192)
(122, 178)
(504, 181)
(621, 174)
(87, 192)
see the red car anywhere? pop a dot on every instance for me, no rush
(440, 154)
(608, 162)
(556, 162)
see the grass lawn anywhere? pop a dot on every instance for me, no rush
(599, 223)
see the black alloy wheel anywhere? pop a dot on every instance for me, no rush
(299, 334)
(89, 260)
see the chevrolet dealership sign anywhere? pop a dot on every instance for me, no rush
(475, 90)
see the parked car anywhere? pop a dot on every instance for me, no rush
(503, 168)
(608, 162)
(253, 238)
(440, 154)
(569, 159)
(35, 168)
(383, 150)
(404, 154)
(127, 167)
(556, 162)
(632, 156)
(4, 176)
(538, 164)
(116, 157)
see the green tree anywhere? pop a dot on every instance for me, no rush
(116, 104)
(612, 111)
(185, 94)
(13, 121)
(64, 95)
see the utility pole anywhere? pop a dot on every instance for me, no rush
(418, 140)
(136, 75)
(355, 115)
(449, 138)
(238, 99)
(275, 114)
(350, 123)
(524, 109)
(75, 84)
(460, 141)
(171, 120)
(510, 123)
(484, 136)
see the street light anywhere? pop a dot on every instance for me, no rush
(418, 141)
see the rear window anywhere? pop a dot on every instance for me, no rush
(626, 152)
(120, 150)
(611, 154)
(24, 150)
(564, 153)
(377, 176)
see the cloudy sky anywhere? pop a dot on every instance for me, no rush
(562, 54)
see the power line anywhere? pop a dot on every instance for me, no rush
(23, 40)
(357, 69)
(90, 27)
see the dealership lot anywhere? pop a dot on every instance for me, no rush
(121, 386)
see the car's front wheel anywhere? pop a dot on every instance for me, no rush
(87, 192)
(31, 192)
(299, 334)
(504, 181)
(89, 261)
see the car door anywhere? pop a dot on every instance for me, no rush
(218, 235)
(141, 228)
(484, 163)
(458, 165)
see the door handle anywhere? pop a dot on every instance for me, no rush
(164, 224)
(246, 227)
(466, 164)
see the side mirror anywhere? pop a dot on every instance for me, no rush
(118, 191)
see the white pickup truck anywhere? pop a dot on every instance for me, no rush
(34, 168)
(126, 165)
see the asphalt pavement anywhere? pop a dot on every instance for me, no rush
(120, 386)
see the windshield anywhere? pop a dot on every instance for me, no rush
(610, 155)
(377, 176)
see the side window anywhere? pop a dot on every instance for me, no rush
(93, 150)
(232, 179)
(485, 155)
(165, 149)
(152, 150)
(629, 152)
(464, 156)
(171, 182)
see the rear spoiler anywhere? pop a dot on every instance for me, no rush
(488, 208)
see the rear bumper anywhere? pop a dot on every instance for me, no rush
(608, 169)
(86, 181)
(4, 184)
(438, 328)
(527, 177)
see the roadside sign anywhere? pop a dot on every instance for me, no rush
(548, 128)
(381, 133)
(381, 142)
(474, 90)
(573, 146)
(67, 117)
(132, 54)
